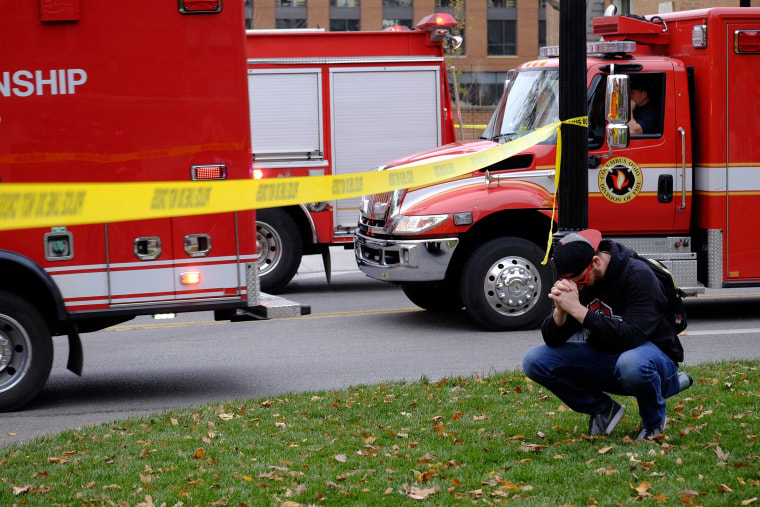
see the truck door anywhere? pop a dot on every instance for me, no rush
(379, 114)
(637, 190)
(166, 260)
(743, 154)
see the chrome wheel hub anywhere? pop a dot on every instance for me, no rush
(512, 286)
(6, 351)
(269, 247)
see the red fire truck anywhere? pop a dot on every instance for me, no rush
(335, 103)
(683, 192)
(94, 93)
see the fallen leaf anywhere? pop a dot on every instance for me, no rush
(722, 455)
(416, 493)
(20, 490)
(340, 457)
(423, 477)
(532, 447)
(476, 493)
(643, 488)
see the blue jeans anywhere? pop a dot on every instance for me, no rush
(580, 376)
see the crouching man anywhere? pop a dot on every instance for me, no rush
(607, 333)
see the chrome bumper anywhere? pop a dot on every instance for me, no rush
(404, 261)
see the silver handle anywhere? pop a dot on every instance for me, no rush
(683, 169)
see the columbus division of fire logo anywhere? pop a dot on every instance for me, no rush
(620, 179)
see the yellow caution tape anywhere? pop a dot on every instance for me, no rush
(473, 127)
(581, 121)
(26, 205)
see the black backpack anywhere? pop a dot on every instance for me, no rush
(673, 294)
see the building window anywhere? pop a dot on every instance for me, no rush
(344, 25)
(541, 23)
(345, 15)
(281, 23)
(502, 27)
(482, 88)
(248, 14)
(398, 12)
(387, 23)
(290, 13)
(502, 37)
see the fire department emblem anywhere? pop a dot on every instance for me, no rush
(620, 180)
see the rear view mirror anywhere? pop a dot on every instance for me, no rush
(618, 107)
(617, 135)
(617, 101)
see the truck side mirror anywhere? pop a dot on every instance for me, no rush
(618, 107)
(453, 42)
(617, 136)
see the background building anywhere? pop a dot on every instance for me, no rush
(498, 34)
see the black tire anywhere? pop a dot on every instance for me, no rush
(26, 352)
(513, 265)
(278, 242)
(434, 297)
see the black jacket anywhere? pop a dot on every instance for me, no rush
(626, 309)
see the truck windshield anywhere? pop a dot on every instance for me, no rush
(529, 102)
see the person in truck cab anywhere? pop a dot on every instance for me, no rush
(644, 111)
(607, 333)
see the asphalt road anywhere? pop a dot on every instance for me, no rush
(361, 331)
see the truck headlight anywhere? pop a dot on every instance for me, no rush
(417, 224)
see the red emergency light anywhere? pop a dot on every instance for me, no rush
(398, 28)
(436, 20)
(208, 172)
(199, 6)
(747, 41)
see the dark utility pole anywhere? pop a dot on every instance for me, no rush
(572, 193)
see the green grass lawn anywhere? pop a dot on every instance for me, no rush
(498, 439)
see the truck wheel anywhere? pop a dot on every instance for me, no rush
(278, 243)
(434, 297)
(26, 352)
(504, 285)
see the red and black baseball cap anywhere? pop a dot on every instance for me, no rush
(573, 253)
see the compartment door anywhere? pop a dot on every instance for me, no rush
(743, 156)
(379, 114)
